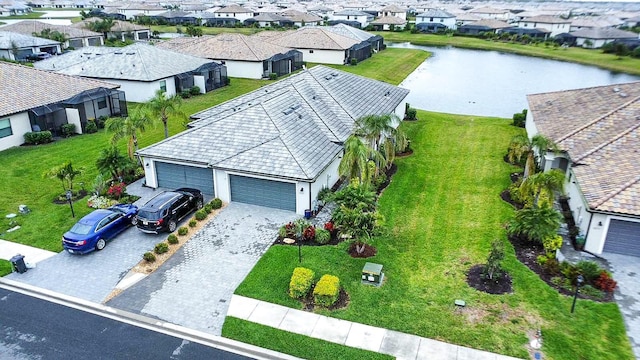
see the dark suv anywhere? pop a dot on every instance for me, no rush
(165, 210)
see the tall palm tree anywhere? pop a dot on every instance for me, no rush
(136, 122)
(355, 162)
(540, 188)
(102, 26)
(112, 162)
(162, 106)
(521, 146)
(379, 130)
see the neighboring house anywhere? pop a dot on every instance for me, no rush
(232, 14)
(301, 19)
(121, 29)
(491, 13)
(16, 7)
(322, 11)
(244, 56)
(18, 47)
(554, 25)
(483, 26)
(177, 17)
(394, 10)
(277, 146)
(4, 12)
(266, 20)
(376, 41)
(319, 45)
(596, 38)
(132, 10)
(538, 33)
(358, 16)
(598, 133)
(632, 21)
(140, 69)
(77, 37)
(387, 23)
(34, 100)
(436, 19)
(588, 23)
(466, 18)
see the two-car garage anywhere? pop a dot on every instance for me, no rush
(623, 237)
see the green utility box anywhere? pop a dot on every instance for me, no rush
(372, 274)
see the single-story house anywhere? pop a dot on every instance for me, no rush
(596, 38)
(491, 13)
(361, 17)
(277, 146)
(465, 18)
(598, 133)
(537, 33)
(265, 20)
(140, 69)
(376, 41)
(301, 19)
(35, 100)
(121, 29)
(177, 17)
(77, 37)
(387, 23)
(134, 9)
(553, 24)
(322, 11)
(436, 16)
(244, 56)
(319, 45)
(18, 47)
(483, 26)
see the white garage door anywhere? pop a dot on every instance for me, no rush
(623, 238)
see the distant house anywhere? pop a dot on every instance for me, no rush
(435, 19)
(35, 100)
(358, 16)
(483, 26)
(386, 23)
(177, 17)
(230, 15)
(121, 29)
(552, 24)
(538, 33)
(18, 47)
(244, 56)
(77, 37)
(376, 41)
(393, 10)
(133, 10)
(322, 11)
(300, 18)
(467, 18)
(598, 133)
(266, 20)
(491, 13)
(596, 38)
(140, 69)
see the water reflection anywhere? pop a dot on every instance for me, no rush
(491, 83)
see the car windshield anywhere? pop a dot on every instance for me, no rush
(149, 215)
(82, 229)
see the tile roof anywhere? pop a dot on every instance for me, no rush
(348, 12)
(599, 128)
(314, 38)
(350, 31)
(393, 8)
(228, 46)
(8, 39)
(288, 129)
(297, 16)
(489, 23)
(604, 33)
(546, 19)
(391, 20)
(233, 9)
(118, 26)
(436, 13)
(28, 27)
(137, 62)
(24, 88)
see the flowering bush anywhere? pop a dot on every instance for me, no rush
(116, 190)
(100, 202)
(329, 226)
(309, 233)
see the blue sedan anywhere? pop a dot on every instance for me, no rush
(94, 230)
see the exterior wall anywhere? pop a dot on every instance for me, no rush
(6, 54)
(577, 203)
(598, 232)
(93, 112)
(325, 180)
(199, 82)
(240, 16)
(555, 29)
(244, 69)
(531, 128)
(19, 126)
(337, 57)
(73, 117)
(595, 43)
(149, 172)
(140, 91)
(450, 23)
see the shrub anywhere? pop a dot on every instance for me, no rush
(201, 215)
(100, 121)
(551, 267)
(356, 221)
(287, 231)
(309, 233)
(273, 76)
(327, 290)
(68, 129)
(551, 244)
(216, 204)
(182, 231)
(116, 190)
(535, 223)
(172, 239)
(589, 269)
(329, 226)
(591, 291)
(100, 202)
(195, 90)
(322, 236)
(38, 137)
(493, 268)
(149, 257)
(411, 114)
(519, 119)
(207, 208)
(161, 248)
(605, 282)
(193, 223)
(325, 194)
(185, 94)
(301, 282)
(91, 127)
(353, 61)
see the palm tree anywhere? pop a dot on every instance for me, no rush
(111, 162)
(162, 107)
(102, 26)
(355, 162)
(129, 127)
(539, 189)
(521, 146)
(378, 130)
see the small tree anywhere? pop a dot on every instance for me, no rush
(66, 173)
(493, 268)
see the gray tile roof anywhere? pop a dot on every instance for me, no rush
(350, 31)
(233, 9)
(313, 38)
(28, 27)
(389, 20)
(604, 33)
(599, 128)
(137, 62)
(118, 26)
(298, 16)
(24, 88)
(349, 12)
(546, 19)
(288, 129)
(8, 38)
(436, 13)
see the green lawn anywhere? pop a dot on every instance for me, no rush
(5, 267)
(293, 344)
(31, 15)
(573, 54)
(22, 169)
(442, 211)
(206, 30)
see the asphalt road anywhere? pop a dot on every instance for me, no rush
(31, 328)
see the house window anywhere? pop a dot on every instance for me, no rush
(430, 19)
(5, 128)
(441, 20)
(102, 103)
(310, 51)
(163, 85)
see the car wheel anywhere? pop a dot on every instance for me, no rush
(134, 220)
(172, 225)
(100, 244)
(199, 204)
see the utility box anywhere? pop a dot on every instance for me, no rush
(17, 264)
(372, 274)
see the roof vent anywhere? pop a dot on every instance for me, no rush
(287, 111)
(616, 89)
(328, 77)
(118, 52)
(131, 53)
(295, 107)
(334, 74)
(623, 94)
(387, 93)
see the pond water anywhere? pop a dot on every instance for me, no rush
(492, 83)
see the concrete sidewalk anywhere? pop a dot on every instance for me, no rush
(31, 254)
(402, 346)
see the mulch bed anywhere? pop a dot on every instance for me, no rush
(476, 280)
(368, 251)
(335, 240)
(81, 194)
(343, 301)
(404, 154)
(506, 196)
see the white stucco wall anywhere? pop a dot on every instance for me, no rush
(243, 69)
(199, 82)
(326, 179)
(149, 172)
(450, 23)
(141, 91)
(336, 57)
(73, 117)
(531, 128)
(19, 126)
(595, 43)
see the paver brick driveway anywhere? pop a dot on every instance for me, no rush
(194, 287)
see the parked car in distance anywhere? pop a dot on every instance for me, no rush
(165, 210)
(94, 230)
(38, 56)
